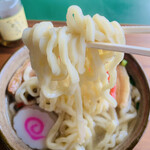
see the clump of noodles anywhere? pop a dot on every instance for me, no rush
(123, 117)
(73, 79)
(28, 90)
(28, 87)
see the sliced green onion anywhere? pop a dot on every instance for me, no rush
(132, 80)
(137, 105)
(124, 62)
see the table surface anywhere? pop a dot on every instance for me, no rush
(132, 39)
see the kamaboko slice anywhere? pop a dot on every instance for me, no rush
(33, 125)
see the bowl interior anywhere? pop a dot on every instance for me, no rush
(133, 68)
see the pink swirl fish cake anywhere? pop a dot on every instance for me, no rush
(33, 126)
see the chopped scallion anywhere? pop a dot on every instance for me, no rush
(124, 62)
(132, 81)
(137, 105)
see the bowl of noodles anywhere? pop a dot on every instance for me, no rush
(58, 94)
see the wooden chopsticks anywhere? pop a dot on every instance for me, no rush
(120, 48)
(125, 48)
(136, 29)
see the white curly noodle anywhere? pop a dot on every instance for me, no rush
(27, 88)
(73, 79)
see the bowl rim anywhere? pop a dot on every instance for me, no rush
(134, 142)
(140, 134)
(3, 139)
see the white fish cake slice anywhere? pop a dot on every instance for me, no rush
(32, 126)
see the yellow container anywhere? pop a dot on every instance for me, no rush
(12, 22)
